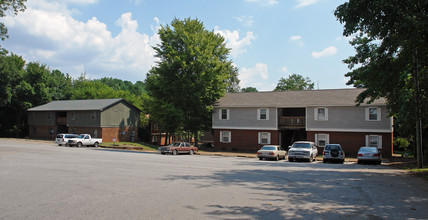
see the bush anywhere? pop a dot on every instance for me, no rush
(401, 144)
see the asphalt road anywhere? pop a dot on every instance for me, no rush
(39, 180)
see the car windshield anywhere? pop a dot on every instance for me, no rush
(81, 136)
(59, 136)
(268, 148)
(70, 136)
(332, 147)
(301, 145)
(368, 149)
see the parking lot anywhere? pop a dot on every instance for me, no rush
(39, 180)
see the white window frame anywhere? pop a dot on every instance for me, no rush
(227, 134)
(317, 115)
(259, 114)
(379, 140)
(221, 114)
(378, 112)
(322, 137)
(261, 137)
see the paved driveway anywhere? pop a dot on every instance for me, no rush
(39, 180)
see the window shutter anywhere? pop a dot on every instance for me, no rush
(259, 138)
(316, 139)
(379, 142)
(327, 139)
(268, 138)
(367, 115)
(367, 140)
(267, 114)
(221, 136)
(326, 114)
(230, 137)
(379, 114)
(258, 114)
(228, 114)
(316, 114)
(219, 115)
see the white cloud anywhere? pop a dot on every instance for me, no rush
(245, 20)
(329, 51)
(264, 2)
(304, 3)
(234, 42)
(294, 38)
(73, 46)
(284, 69)
(253, 76)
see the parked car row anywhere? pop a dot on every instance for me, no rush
(306, 150)
(77, 140)
(178, 148)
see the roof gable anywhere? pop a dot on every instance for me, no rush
(79, 105)
(302, 98)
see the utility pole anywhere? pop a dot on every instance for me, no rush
(419, 146)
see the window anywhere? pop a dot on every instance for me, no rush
(264, 138)
(73, 115)
(49, 116)
(262, 114)
(321, 114)
(322, 139)
(374, 141)
(225, 136)
(373, 114)
(93, 115)
(224, 114)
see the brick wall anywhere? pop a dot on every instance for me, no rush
(243, 140)
(42, 132)
(122, 134)
(352, 141)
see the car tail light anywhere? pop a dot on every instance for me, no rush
(271, 154)
(323, 153)
(360, 155)
(375, 155)
(258, 153)
(63, 140)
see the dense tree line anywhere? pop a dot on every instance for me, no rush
(23, 86)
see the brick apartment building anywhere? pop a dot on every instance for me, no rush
(102, 118)
(247, 121)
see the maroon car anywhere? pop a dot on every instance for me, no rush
(178, 148)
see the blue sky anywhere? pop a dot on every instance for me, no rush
(269, 39)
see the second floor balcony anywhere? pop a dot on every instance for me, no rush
(292, 122)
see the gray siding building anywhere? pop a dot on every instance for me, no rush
(246, 121)
(103, 118)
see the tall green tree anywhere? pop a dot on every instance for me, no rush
(391, 42)
(11, 7)
(249, 89)
(193, 72)
(294, 82)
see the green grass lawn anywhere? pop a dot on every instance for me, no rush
(420, 172)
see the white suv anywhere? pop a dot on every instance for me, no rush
(63, 138)
(302, 150)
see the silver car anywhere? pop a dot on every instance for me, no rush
(333, 152)
(271, 152)
(63, 138)
(369, 154)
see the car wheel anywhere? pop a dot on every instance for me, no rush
(191, 152)
(334, 153)
(379, 162)
(343, 161)
(277, 157)
(59, 145)
(174, 152)
(79, 144)
(260, 158)
(290, 159)
(324, 161)
(163, 153)
(359, 162)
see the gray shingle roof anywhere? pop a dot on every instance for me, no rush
(304, 98)
(77, 105)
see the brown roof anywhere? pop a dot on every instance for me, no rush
(303, 98)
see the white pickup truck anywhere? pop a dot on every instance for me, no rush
(85, 140)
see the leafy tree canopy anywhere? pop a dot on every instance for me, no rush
(249, 89)
(294, 82)
(193, 72)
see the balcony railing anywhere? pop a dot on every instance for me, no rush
(61, 120)
(292, 122)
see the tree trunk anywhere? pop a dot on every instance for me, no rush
(196, 139)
